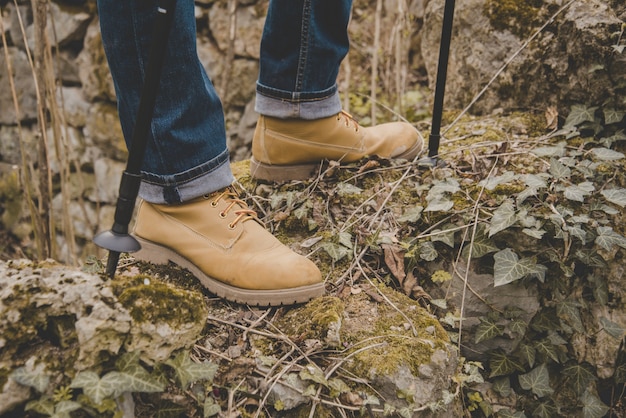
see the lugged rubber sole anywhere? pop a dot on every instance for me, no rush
(158, 254)
(269, 172)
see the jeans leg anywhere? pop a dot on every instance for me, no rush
(186, 155)
(303, 44)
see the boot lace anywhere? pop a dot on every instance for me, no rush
(243, 212)
(348, 119)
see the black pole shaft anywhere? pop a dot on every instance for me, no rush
(442, 71)
(131, 178)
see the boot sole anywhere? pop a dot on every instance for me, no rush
(158, 254)
(270, 172)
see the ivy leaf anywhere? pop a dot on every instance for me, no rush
(600, 289)
(44, 406)
(428, 252)
(487, 330)
(559, 170)
(535, 233)
(503, 365)
(437, 200)
(617, 196)
(509, 268)
(95, 388)
(606, 154)
(503, 217)
(578, 192)
(545, 410)
(210, 407)
(579, 377)
(612, 115)
(537, 381)
(337, 387)
(551, 151)
(446, 236)
(412, 214)
(313, 373)
(344, 189)
(569, 310)
(490, 183)
(593, 407)
(547, 348)
(528, 353)
(35, 378)
(518, 327)
(480, 247)
(509, 413)
(335, 251)
(611, 328)
(580, 114)
(502, 386)
(535, 181)
(607, 238)
(439, 204)
(188, 371)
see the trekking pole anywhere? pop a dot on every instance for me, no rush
(440, 85)
(117, 240)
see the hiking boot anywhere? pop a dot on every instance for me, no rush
(222, 242)
(291, 149)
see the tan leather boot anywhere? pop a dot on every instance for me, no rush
(221, 241)
(291, 149)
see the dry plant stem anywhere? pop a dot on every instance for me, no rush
(28, 171)
(40, 11)
(61, 135)
(26, 178)
(507, 63)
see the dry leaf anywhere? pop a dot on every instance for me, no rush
(394, 259)
(552, 117)
(369, 165)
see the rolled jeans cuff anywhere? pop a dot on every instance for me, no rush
(206, 178)
(285, 105)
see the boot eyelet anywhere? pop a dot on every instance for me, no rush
(231, 226)
(223, 215)
(206, 196)
(214, 204)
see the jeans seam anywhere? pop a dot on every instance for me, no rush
(304, 47)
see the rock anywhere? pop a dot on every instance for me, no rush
(10, 149)
(22, 78)
(93, 317)
(104, 129)
(571, 62)
(514, 296)
(74, 104)
(93, 69)
(405, 366)
(249, 22)
(63, 25)
(12, 394)
(108, 174)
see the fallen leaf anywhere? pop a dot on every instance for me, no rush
(552, 117)
(394, 259)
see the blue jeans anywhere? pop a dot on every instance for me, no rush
(303, 44)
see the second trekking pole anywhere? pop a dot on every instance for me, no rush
(440, 85)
